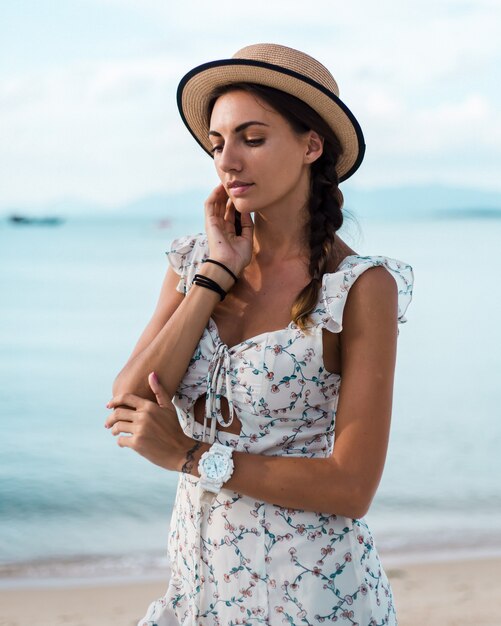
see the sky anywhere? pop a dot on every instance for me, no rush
(88, 89)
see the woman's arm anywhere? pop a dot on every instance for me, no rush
(168, 342)
(342, 484)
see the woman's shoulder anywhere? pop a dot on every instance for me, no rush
(358, 263)
(336, 285)
(187, 246)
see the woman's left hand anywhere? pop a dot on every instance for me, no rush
(153, 429)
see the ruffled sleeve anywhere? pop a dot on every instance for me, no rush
(335, 287)
(185, 256)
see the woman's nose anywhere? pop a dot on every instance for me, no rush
(229, 159)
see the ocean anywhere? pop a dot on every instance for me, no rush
(74, 300)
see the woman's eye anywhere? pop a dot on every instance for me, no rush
(254, 142)
(215, 149)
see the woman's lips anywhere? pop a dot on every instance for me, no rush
(240, 190)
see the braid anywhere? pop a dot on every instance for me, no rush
(325, 218)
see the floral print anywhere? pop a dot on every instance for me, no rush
(243, 561)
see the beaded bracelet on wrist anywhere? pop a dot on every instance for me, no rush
(223, 266)
(208, 283)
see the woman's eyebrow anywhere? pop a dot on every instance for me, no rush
(240, 127)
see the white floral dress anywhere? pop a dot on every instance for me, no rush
(242, 560)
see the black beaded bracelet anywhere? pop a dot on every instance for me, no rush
(208, 283)
(223, 266)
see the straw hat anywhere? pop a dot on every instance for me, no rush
(283, 68)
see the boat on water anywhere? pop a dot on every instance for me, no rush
(35, 221)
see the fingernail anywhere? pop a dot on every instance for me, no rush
(108, 405)
(155, 377)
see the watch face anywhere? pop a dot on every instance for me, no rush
(215, 466)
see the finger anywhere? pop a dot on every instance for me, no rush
(218, 191)
(229, 218)
(127, 399)
(247, 225)
(215, 205)
(160, 393)
(121, 414)
(229, 209)
(126, 441)
(123, 427)
(220, 202)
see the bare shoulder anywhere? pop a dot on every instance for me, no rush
(375, 281)
(372, 300)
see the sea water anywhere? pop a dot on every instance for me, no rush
(74, 299)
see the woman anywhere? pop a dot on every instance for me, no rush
(257, 323)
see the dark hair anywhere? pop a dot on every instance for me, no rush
(325, 200)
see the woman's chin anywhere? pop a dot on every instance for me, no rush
(243, 206)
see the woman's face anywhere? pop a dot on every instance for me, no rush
(259, 159)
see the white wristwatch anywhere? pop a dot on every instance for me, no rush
(215, 468)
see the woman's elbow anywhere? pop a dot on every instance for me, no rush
(116, 388)
(363, 496)
(353, 509)
(121, 385)
(360, 509)
(356, 502)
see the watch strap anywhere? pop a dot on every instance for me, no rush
(208, 489)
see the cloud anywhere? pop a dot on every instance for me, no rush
(131, 78)
(418, 76)
(98, 130)
(95, 82)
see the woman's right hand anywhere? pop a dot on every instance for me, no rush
(225, 246)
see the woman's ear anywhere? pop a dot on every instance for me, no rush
(314, 147)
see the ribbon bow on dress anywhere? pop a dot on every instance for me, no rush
(218, 386)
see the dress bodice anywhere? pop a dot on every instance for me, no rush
(276, 382)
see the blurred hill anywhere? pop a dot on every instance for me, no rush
(425, 200)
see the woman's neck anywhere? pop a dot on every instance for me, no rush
(279, 237)
(281, 230)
